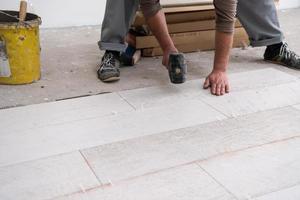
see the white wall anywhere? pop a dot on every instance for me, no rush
(284, 4)
(61, 13)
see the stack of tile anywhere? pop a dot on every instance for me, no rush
(191, 26)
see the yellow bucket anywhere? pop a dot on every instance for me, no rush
(19, 49)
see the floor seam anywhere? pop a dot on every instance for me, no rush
(91, 169)
(124, 99)
(219, 111)
(195, 162)
(274, 191)
(218, 182)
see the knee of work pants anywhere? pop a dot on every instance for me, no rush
(150, 7)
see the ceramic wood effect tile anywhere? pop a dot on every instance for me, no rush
(46, 178)
(183, 183)
(258, 171)
(165, 95)
(292, 193)
(135, 157)
(41, 115)
(31, 144)
(245, 102)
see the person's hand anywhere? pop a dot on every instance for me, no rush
(218, 83)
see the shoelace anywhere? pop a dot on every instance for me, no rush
(287, 54)
(108, 62)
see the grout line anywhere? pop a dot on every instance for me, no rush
(95, 146)
(123, 98)
(278, 190)
(219, 111)
(92, 170)
(218, 182)
(295, 106)
(199, 161)
(103, 186)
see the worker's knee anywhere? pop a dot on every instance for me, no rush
(225, 15)
(150, 7)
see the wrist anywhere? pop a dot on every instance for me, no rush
(219, 69)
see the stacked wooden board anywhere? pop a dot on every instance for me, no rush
(191, 26)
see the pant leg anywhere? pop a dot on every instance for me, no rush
(118, 18)
(259, 17)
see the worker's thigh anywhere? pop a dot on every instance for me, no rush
(259, 17)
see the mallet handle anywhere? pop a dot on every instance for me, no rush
(23, 10)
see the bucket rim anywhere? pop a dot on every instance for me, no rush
(36, 21)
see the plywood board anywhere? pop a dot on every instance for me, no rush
(191, 42)
(187, 8)
(167, 3)
(179, 17)
(203, 25)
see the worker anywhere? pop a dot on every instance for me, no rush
(259, 17)
(118, 18)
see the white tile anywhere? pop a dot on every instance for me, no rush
(258, 171)
(245, 102)
(292, 193)
(163, 95)
(160, 96)
(50, 140)
(28, 117)
(135, 157)
(46, 178)
(297, 107)
(184, 183)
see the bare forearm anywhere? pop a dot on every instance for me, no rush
(222, 53)
(158, 26)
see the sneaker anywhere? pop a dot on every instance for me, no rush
(109, 70)
(284, 57)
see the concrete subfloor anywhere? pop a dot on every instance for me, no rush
(70, 57)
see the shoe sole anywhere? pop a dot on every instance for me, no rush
(279, 63)
(111, 79)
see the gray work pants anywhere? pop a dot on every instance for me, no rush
(259, 17)
(119, 15)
